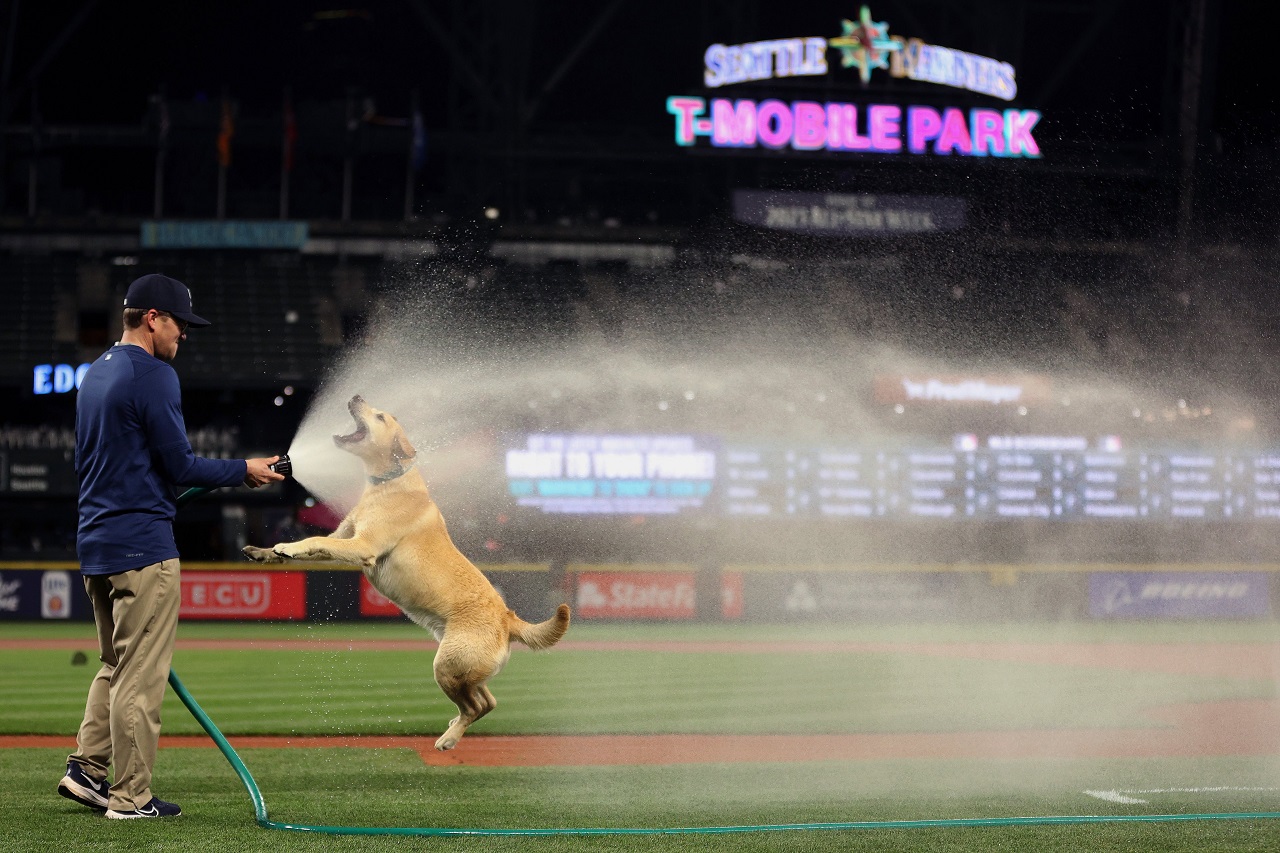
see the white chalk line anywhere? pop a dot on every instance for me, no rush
(1123, 796)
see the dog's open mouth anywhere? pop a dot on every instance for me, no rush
(362, 429)
(352, 438)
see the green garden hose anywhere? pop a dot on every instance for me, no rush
(260, 805)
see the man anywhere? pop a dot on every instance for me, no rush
(132, 455)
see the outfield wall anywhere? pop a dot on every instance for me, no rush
(247, 592)
(683, 592)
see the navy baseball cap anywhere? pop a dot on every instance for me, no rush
(163, 294)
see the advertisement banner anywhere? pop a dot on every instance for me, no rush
(36, 594)
(13, 593)
(244, 595)
(890, 389)
(636, 595)
(223, 234)
(848, 214)
(55, 595)
(1179, 595)
(864, 596)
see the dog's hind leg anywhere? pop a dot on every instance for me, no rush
(473, 701)
(463, 681)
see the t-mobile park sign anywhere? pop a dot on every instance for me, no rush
(860, 128)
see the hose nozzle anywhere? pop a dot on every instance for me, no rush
(283, 465)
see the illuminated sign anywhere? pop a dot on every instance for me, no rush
(638, 474)
(848, 214)
(872, 128)
(764, 60)
(866, 45)
(38, 471)
(223, 234)
(995, 390)
(57, 378)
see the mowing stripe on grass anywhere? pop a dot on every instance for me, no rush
(1124, 798)
(260, 809)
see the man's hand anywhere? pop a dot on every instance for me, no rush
(258, 472)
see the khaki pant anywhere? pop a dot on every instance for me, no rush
(137, 617)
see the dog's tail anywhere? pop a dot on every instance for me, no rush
(543, 635)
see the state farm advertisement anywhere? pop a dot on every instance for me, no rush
(636, 595)
(244, 595)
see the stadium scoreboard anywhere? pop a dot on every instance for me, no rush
(989, 478)
(938, 483)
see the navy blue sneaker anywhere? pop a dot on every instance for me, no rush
(156, 808)
(77, 785)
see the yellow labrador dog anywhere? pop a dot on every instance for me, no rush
(397, 536)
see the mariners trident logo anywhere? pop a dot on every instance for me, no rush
(865, 45)
(966, 130)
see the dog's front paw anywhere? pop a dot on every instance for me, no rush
(262, 555)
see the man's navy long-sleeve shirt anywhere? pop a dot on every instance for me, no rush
(132, 454)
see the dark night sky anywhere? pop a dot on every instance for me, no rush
(649, 50)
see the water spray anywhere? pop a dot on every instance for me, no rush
(284, 466)
(472, 388)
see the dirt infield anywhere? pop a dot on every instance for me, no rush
(1227, 728)
(1234, 728)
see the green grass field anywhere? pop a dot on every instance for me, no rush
(326, 691)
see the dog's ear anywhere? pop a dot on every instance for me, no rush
(398, 448)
